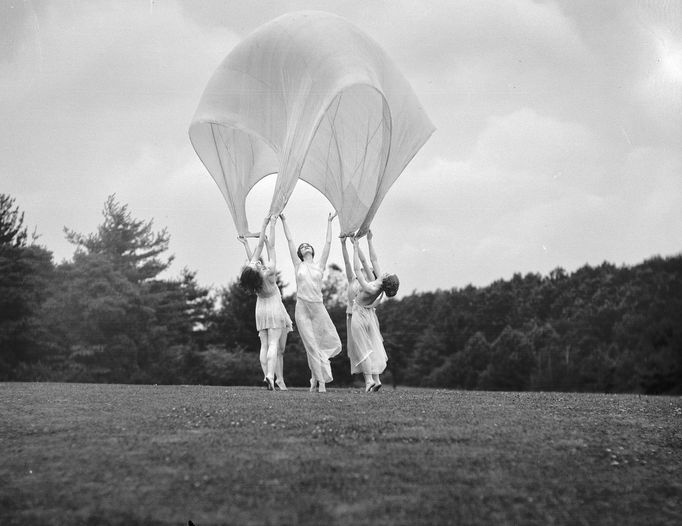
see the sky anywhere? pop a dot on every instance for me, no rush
(557, 142)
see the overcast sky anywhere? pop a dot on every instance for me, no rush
(558, 130)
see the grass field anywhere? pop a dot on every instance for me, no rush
(123, 454)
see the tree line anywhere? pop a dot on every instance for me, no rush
(106, 315)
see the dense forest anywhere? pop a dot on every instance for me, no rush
(107, 316)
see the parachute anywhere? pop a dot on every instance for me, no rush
(309, 96)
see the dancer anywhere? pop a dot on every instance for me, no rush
(368, 344)
(353, 289)
(272, 320)
(319, 336)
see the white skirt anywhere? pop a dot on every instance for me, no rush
(271, 314)
(319, 336)
(369, 355)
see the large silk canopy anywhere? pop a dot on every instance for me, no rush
(310, 96)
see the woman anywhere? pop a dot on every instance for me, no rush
(272, 320)
(353, 289)
(367, 340)
(319, 336)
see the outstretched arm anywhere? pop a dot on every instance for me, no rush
(261, 241)
(292, 247)
(373, 255)
(366, 266)
(358, 268)
(346, 261)
(270, 244)
(328, 241)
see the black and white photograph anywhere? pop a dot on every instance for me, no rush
(316, 262)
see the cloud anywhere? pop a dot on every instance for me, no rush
(535, 194)
(557, 138)
(114, 91)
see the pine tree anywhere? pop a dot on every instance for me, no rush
(130, 244)
(109, 309)
(24, 273)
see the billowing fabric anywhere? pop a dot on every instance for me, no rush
(319, 336)
(367, 354)
(310, 96)
(270, 311)
(309, 282)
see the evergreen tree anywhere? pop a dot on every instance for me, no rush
(12, 229)
(108, 311)
(129, 244)
(234, 321)
(25, 271)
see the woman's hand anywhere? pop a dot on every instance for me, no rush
(241, 239)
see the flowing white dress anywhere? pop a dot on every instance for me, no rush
(270, 311)
(368, 355)
(353, 289)
(319, 336)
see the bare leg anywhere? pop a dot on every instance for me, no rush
(279, 370)
(273, 345)
(377, 382)
(263, 335)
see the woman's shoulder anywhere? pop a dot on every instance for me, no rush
(369, 294)
(373, 287)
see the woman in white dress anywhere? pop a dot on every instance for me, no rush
(353, 289)
(272, 320)
(319, 336)
(367, 340)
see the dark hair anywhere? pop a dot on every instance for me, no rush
(251, 280)
(298, 252)
(390, 285)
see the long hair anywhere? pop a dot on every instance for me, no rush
(251, 280)
(390, 285)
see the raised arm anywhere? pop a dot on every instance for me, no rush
(358, 268)
(366, 266)
(290, 242)
(270, 244)
(328, 242)
(373, 255)
(261, 241)
(346, 260)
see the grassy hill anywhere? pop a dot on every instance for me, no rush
(128, 454)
